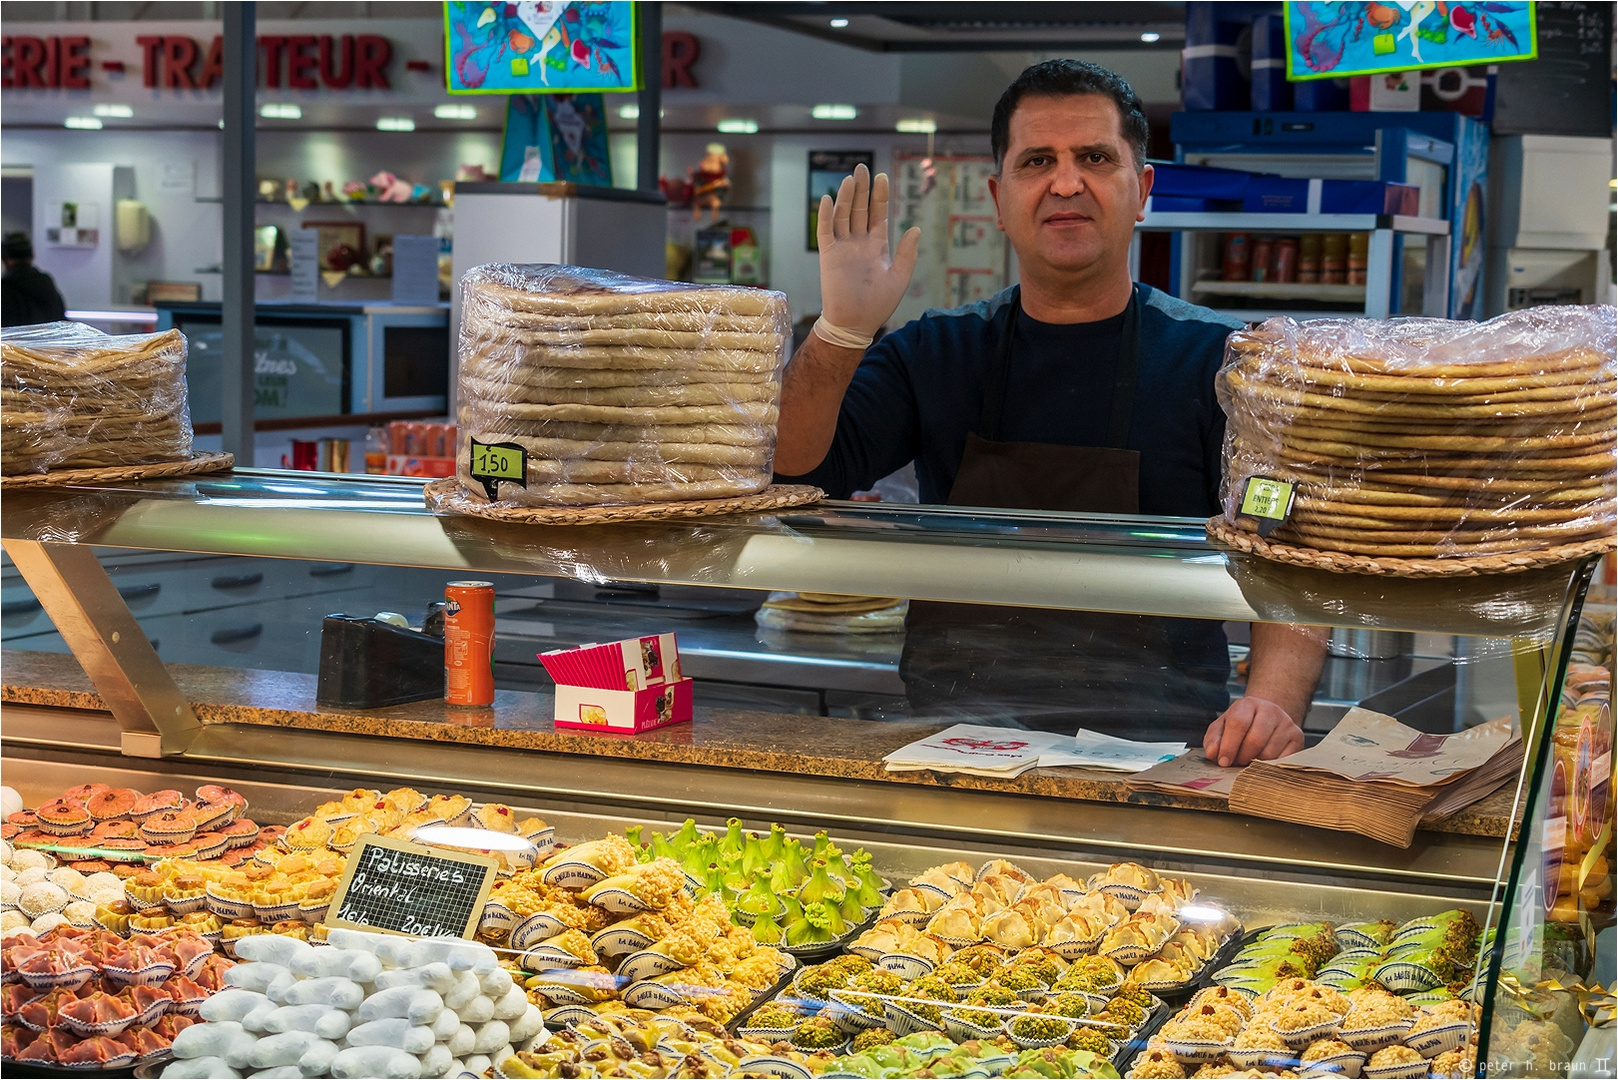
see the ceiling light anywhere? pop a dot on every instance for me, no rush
(838, 24)
(629, 112)
(456, 112)
(278, 111)
(395, 123)
(738, 125)
(82, 123)
(1150, 36)
(123, 112)
(834, 112)
(917, 127)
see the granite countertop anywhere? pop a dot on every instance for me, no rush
(718, 738)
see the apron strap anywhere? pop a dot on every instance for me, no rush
(1123, 387)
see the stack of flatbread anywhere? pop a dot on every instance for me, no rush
(1426, 438)
(832, 613)
(620, 389)
(72, 397)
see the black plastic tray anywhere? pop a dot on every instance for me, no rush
(764, 997)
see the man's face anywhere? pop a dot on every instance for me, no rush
(1068, 193)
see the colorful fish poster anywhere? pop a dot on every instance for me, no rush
(540, 47)
(1335, 40)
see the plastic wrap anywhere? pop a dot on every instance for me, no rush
(616, 389)
(1425, 437)
(75, 398)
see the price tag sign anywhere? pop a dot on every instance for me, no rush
(1268, 500)
(399, 887)
(493, 463)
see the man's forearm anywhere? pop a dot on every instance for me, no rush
(812, 391)
(1285, 664)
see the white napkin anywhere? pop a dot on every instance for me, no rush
(1093, 750)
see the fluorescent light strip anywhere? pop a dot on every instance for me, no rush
(1150, 36)
(738, 126)
(395, 123)
(456, 112)
(834, 112)
(838, 24)
(276, 110)
(111, 316)
(82, 123)
(917, 127)
(122, 112)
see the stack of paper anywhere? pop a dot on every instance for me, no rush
(976, 750)
(1192, 773)
(1375, 776)
(1093, 750)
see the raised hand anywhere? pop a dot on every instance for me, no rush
(860, 285)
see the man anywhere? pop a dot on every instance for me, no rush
(1077, 390)
(27, 293)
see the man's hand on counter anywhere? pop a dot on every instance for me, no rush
(1266, 722)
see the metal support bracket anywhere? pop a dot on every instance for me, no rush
(108, 643)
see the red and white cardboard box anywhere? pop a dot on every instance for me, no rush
(622, 712)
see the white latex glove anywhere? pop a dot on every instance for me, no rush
(860, 285)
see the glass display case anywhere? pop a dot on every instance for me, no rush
(1531, 862)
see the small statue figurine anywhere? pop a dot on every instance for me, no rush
(710, 182)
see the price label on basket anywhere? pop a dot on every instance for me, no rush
(1268, 500)
(492, 463)
(403, 888)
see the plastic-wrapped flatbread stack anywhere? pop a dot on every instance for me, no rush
(72, 397)
(1425, 438)
(832, 613)
(617, 389)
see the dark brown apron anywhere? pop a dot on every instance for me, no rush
(1056, 670)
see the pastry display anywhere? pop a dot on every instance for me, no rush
(91, 999)
(404, 813)
(618, 389)
(832, 613)
(370, 1005)
(1423, 438)
(76, 398)
(674, 1043)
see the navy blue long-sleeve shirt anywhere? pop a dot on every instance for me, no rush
(919, 390)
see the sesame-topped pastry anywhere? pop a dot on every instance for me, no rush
(496, 817)
(1157, 1064)
(157, 802)
(63, 817)
(1396, 1055)
(112, 803)
(1321, 1049)
(308, 834)
(168, 827)
(1261, 1037)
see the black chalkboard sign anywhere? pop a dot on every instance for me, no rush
(403, 888)
(1568, 89)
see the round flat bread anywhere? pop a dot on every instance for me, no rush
(492, 353)
(752, 413)
(654, 339)
(646, 469)
(672, 452)
(1347, 424)
(564, 298)
(1324, 510)
(1599, 401)
(688, 394)
(1386, 495)
(1392, 445)
(1436, 386)
(1318, 533)
(621, 494)
(718, 434)
(590, 378)
(844, 607)
(690, 321)
(1417, 551)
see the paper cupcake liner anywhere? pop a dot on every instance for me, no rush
(1129, 955)
(619, 941)
(548, 958)
(1302, 1037)
(191, 1008)
(117, 1061)
(933, 890)
(960, 942)
(185, 905)
(769, 1065)
(1403, 978)
(1074, 950)
(1395, 1072)
(274, 913)
(1036, 1044)
(56, 980)
(619, 901)
(153, 1012)
(150, 975)
(74, 829)
(909, 917)
(228, 907)
(651, 995)
(1263, 1059)
(565, 1016)
(1131, 896)
(572, 875)
(533, 929)
(1437, 1040)
(1370, 1040)
(1350, 937)
(1040, 1044)
(1196, 1053)
(902, 1022)
(964, 1030)
(646, 965)
(905, 966)
(1414, 928)
(1348, 1065)
(90, 1030)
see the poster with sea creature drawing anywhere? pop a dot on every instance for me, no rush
(543, 47)
(1335, 40)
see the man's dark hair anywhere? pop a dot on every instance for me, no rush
(17, 246)
(1061, 78)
